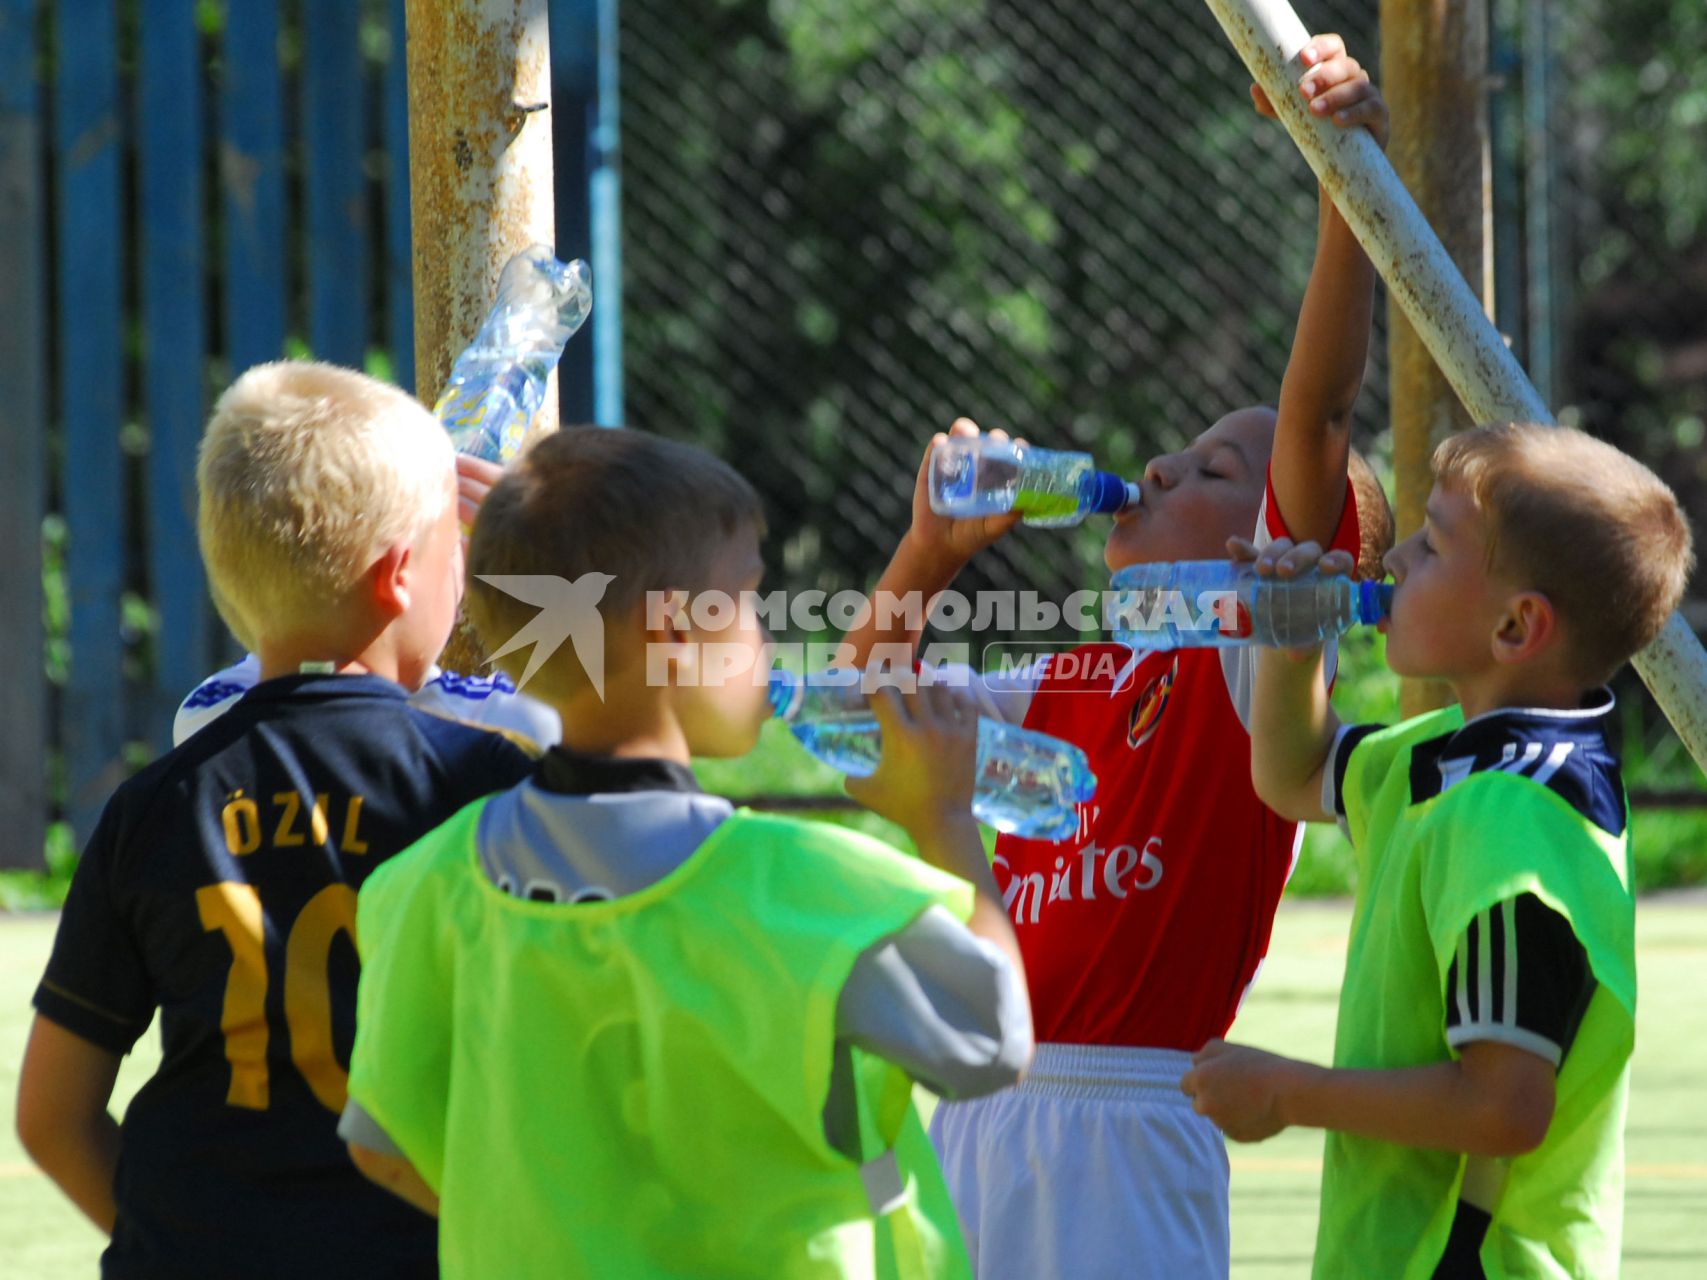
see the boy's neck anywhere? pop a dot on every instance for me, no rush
(1507, 690)
(622, 725)
(293, 655)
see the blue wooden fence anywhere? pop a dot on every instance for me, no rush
(266, 213)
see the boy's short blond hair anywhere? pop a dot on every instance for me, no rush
(653, 513)
(1589, 527)
(307, 472)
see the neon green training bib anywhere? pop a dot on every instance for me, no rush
(636, 1087)
(1426, 869)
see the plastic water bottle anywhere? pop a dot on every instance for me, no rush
(984, 477)
(498, 382)
(1028, 783)
(1219, 603)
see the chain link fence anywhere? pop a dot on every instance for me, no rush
(847, 224)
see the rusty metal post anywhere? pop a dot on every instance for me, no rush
(480, 172)
(1422, 278)
(1434, 61)
(480, 179)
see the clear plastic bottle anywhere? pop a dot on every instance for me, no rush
(1028, 783)
(1219, 603)
(498, 382)
(984, 477)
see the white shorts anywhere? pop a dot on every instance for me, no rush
(1096, 1166)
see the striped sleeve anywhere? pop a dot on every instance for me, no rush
(1333, 771)
(1520, 977)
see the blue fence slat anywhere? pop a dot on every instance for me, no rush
(174, 334)
(399, 264)
(87, 143)
(332, 133)
(604, 199)
(585, 148)
(23, 480)
(252, 182)
(574, 111)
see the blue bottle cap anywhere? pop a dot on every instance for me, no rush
(1109, 493)
(1374, 602)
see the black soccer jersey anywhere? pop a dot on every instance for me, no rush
(220, 887)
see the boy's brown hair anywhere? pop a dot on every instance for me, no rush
(653, 513)
(1589, 527)
(1374, 518)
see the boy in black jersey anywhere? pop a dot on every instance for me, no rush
(220, 884)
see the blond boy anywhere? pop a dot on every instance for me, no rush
(219, 887)
(1476, 1104)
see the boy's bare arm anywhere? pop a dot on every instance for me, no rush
(923, 783)
(64, 1087)
(1495, 1100)
(933, 550)
(1292, 732)
(396, 1175)
(1312, 436)
(1293, 724)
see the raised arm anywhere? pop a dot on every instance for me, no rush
(933, 550)
(1293, 725)
(1330, 348)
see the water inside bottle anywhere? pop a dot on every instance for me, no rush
(969, 482)
(971, 479)
(1025, 786)
(1054, 494)
(1212, 604)
(847, 743)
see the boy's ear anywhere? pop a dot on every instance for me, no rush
(662, 619)
(663, 616)
(1529, 626)
(390, 578)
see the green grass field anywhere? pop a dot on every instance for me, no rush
(1274, 1185)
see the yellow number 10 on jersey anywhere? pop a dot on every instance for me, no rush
(234, 909)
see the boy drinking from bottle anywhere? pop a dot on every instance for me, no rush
(1141, 935)
(610, 1025)
(1475, 1108)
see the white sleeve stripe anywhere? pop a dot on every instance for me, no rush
(1484, 966)
(1463, 978)
(1508, 915)
(1511, 762)
(1262, 537)
(1499, 1033)
(1555, 761)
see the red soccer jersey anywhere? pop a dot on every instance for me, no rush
(1147, 927)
